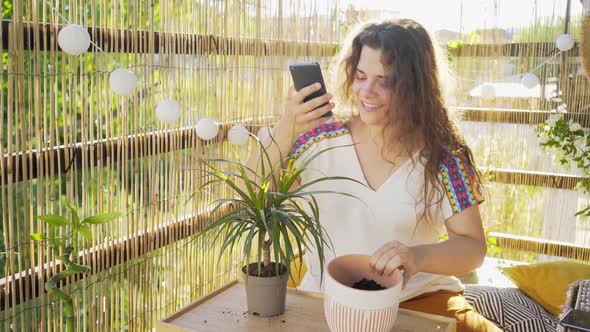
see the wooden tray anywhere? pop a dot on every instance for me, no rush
(225, 310)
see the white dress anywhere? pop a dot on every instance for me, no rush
(382, 215)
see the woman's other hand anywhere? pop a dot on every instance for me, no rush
(394, 255)
(299, 116)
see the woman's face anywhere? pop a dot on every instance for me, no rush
(370, 90)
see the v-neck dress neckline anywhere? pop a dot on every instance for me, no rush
(392, 174)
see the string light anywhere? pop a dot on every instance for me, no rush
(123, 81)
(530, 80)
(264, 133)
(238, 135)
(564, 42)
(168, 111)
(207, 129)
(73, 39)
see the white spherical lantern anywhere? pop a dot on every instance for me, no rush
(207, 129)
(530, 80)
(264, 133)
(488, 91)
(123, 81)
(74, 39)
(168, 111)
(238, 135)
(564, 42)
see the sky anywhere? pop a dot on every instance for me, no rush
(476, 14)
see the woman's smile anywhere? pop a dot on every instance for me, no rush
(370, 107)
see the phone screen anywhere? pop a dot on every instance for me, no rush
(577, 319)
(308, 73)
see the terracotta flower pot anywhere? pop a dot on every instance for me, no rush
(350, 309)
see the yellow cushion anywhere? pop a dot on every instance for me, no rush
(547, 283)
(297, 272)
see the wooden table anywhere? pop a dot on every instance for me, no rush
(225, 310)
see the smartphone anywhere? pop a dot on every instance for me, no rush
(308, 73)
(577, 319)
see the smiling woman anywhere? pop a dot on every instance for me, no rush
(418, 175)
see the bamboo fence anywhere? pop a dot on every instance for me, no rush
(64, 133)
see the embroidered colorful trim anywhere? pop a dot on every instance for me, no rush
(459, 180)
(325, 130)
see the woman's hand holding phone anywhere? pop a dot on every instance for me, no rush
(301, 116)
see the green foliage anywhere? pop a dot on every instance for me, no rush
(571, 142)
(473, 37)
(546, 29)
(7, 10)
(269, 212)
(454, 44)
(66, 247)
(493, 249)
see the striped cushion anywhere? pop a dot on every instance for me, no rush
(510, 309)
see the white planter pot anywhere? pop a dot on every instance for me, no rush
(348, 309)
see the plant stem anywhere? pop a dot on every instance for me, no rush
(266, 253)
(52, 288)
(51, 285)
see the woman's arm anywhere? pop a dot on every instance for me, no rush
(462, 252)
(299, 117)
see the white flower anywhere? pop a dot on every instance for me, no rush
(543, 139)
(580, 143)
(553, 119)
(574, 126)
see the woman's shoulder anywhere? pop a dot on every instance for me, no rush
(322, 132)
(459, 178)
(453, 159)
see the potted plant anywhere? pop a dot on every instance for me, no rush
(271, 215)
(66, 247)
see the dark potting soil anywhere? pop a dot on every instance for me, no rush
(269, 271)
(366, 284)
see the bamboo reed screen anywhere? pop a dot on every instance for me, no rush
(227, 60)
(523, 203)
(64, 133)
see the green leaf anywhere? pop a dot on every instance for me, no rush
(217, 173)
(75, 219)
(54, 220)
(228, 218)
(223, 202)
(299, 239)
(56, 243)
(232, 163)
(38, 237)
(104, 218)
(288, 254)
(276, 242)
(248, 243)
(257, 203)
(233, 235)
(85, 232)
